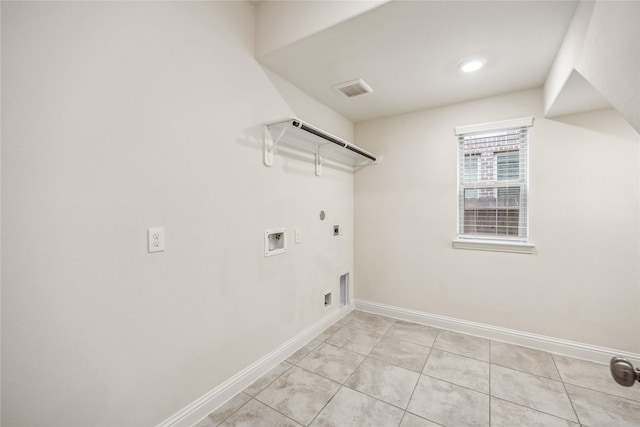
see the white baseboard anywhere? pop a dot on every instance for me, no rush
(553, 345)
(217, 397)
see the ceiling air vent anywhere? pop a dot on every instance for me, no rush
(353, 88)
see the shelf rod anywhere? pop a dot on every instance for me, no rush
(362, 153)
(349, 147)
(318, 133)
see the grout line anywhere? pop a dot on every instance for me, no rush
(314, 373)
(415, 386)
(376, 398)
(326, 404)
(564, 386)
(424, 365)
(589, 388)
(421, 373)
(555, 365)
(356, 326)
(457, 385)
(526, 372)
(404, 414)
(606, 394)
(461, 355)
(418, 371)
(233, 413)
(533, 409)
(421, 417)
(490, 383)
(284, 415)
(271, 382)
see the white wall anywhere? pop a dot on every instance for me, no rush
(280, 23)
(306, 108)
(612, 48)
(582, 283)
(603, 41)
(122, 116)
(567, 56)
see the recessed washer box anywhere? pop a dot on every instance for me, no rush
(275, 241)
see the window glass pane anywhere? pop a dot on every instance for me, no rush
(470, 168)
(508, 165)
(492, 192)
(509, 197)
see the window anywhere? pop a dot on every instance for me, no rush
(493, 181)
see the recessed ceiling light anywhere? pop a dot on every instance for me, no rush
(472, 65)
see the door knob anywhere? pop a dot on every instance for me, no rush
(623, 372)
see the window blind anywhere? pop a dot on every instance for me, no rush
(493, 184)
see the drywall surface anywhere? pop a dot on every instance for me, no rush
(581, 284)
(602, 41)
(612, 47)
(567, 56)
(309, 110)
(280, 23)
(118, 117)
(577, 96)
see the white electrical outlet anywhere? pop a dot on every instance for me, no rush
(298, 236)
(156, 239)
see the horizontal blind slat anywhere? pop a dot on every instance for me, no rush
(493, 183)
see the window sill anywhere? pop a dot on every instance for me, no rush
(487, 245)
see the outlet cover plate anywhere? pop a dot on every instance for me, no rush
(156, 239)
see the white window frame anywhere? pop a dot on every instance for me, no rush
(521, 244)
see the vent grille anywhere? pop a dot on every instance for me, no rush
(353, 88)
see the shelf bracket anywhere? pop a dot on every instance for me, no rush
(270, 145)
(320, 159)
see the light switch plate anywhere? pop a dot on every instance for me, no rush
(156, 239)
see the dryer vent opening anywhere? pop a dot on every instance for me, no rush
(344, 290)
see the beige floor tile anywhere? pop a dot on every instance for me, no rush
(507, 414)
(594, 376)
(332, 362)
(299, 394)
(402, 353)
(440, 377)
(256, 414)
(223, 412)
(327, 333)
(599, 409)
(303, 351)
(449, 404)
(535, 362)
(352, 408)
(409, 331)
(347, 318)
(543, 394)
(460, 370)
(462, 344)
(411, 420)
(372, 322)
(355, 339)
(389, 383)
(264, 381)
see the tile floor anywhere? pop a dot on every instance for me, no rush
(369, 370)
